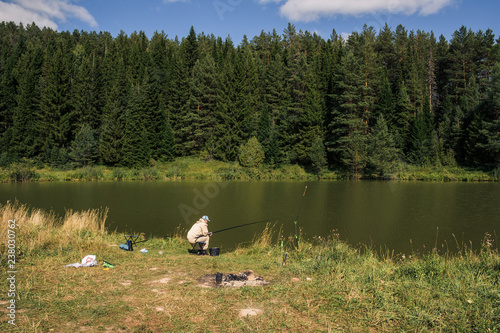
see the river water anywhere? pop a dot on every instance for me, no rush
(403, 217)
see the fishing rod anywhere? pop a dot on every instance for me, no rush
(296, 233)
(238, 226)
(298, 212)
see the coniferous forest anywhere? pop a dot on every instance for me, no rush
(362, 105)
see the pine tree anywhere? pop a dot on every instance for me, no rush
(302, 121)
(198, 122)
(83, 149)
(273, 155)
(385, 105)
(8, 85)
(383, 153)
(135, 151)
(190, 51)
(113, 124)
(264, 136)
(55, 120)
(229, 120)
(27, 103)
(168, 139)
(461, 61)
(85, 99)
(347, 137)
(489, 147)
(475, 139)
(177, 95)
(422, 149)
(317, 155)
(403, 113)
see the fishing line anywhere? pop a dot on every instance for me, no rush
(298, 212)
(241, 225)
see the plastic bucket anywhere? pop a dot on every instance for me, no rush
(214, 251)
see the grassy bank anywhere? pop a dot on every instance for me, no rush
(192, 168)
(339, 289)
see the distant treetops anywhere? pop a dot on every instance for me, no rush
(360, 104)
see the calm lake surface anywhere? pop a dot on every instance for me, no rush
(398, 216)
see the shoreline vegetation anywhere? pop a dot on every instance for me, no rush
(325, 286)
(193, 168)
(393, 103)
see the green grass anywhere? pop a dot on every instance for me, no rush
(193, 168)
(339, 288)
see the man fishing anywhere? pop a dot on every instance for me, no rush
(198, 234)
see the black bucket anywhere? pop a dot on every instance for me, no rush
(214, 251)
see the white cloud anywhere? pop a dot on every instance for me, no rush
(300, 10)
(345, 35)
(45, 13)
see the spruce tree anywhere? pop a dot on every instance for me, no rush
(422, 149)
(489, 147)
(264, 127)
(113, 124)
(383, 153)
(83, 149)
(198, 122)
(55, 118)
(177, 95)
(317, 155)
(134, 152)
(228, 120)
(28, 71)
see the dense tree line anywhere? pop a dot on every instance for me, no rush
(360, 104)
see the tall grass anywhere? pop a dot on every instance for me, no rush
(430, 292)
(39, 232)
(366, 290)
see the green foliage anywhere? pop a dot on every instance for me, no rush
(22, 172)
(317, 155)
(164, 98)
(422, 149)
(83, 149)
(383, 153)
(251, 154)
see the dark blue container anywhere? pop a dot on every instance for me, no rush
(129, 243)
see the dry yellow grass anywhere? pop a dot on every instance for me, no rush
(37, 230)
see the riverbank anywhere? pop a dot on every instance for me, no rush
(325, 285)
(191, 168)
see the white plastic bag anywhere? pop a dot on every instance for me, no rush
(89, 261)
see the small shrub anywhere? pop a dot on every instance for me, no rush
(88, 173)
(22, 173)
(150, 174)
(119, 174)
(251, 154)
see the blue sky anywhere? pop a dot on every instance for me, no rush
(235, 18)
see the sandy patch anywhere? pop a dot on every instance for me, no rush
(249, 312)
(158, 291)
(126, 283)
(163, 281)
(248, 278)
